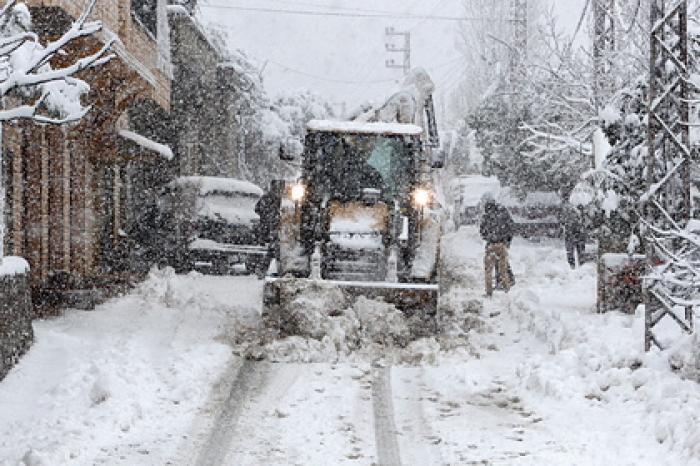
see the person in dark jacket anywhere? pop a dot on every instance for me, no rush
(268, 209)
(497, 230)
(574, 234)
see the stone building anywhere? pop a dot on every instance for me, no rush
(74, 191)
(216, 102)
(201, 142)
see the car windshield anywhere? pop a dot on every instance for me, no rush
(350, 164)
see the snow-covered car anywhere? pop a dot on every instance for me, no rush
(536, 215)
(216, 224)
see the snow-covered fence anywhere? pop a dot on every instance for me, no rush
(15, 312)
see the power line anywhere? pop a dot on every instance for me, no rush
(350, 15)
(332, 80)
(330, 7)
(358, 82)
(419, 23)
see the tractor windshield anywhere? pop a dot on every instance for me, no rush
(348, 165)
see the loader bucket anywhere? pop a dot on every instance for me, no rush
(415, 300)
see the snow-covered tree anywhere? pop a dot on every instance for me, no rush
(30, 87)
(296, 109)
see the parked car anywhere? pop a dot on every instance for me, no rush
(216, 224)
(536, 215)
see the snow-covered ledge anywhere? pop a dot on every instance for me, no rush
(12, 265)
(148, 144)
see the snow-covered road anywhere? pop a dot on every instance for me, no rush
(540, 380)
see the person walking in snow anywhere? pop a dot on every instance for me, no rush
(574, 234)
(497, 230)
(268, 210)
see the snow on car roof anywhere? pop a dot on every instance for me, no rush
(508, 198)
(211, 184)
(364, 128)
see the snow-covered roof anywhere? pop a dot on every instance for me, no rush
(364, 128)
(543, 198)
(146, 143)
(211, 184)
(508, 198)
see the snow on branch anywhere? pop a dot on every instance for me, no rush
(677, 278)
(30, 87)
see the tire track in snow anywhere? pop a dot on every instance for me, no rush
(250, 378)
(384, 424)
(419, 443)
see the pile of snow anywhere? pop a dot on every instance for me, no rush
(684, 357)
(325, 324)
(122, 383)
(599, 359)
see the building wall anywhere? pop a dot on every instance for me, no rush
(72, 190)
(146, 54)
(201, 114)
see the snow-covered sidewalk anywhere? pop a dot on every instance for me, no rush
(123, 384)
(554, 382)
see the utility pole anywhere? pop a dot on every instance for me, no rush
(405, 50)
(518, 51)
(604, 45)
(667, 202)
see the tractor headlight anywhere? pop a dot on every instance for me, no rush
(298, 192)
(421, 197)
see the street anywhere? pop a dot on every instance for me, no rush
(532, 382)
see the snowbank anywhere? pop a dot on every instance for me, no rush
(123, 383)
(599, 360)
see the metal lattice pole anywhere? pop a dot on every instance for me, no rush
(667, 203)
(604, 43)
(518, 51)
(405, 50)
